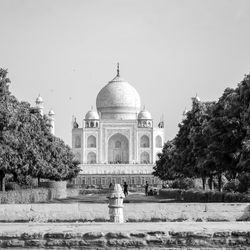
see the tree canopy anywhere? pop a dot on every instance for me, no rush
(27, 148)
(213, 139)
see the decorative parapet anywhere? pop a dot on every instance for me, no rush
(116, 168)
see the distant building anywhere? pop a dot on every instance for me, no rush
(119, 141)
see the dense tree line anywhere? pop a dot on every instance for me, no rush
(27, 148)
(213, 140)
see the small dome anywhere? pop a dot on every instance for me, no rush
(144, 115)
(196, 98)
(92, 115)
(51, 112)
(39, 99)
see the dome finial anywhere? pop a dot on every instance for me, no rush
(118, 70)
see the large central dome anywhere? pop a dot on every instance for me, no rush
(118, 100)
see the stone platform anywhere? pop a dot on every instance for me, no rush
(170, 235)
(133, 212)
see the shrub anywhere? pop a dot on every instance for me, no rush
(24, 196)
(232, 186)
(72, 192)
(170, 194)
(195, 196)
(214, 196)
(94, 191)
(71, 185)
(236, 197)
(12, 186)
(210, 196)
(186, 183)
(25, 180)
(244, 182)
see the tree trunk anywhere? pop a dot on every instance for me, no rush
(219, 182)
(2, 181)
(203, 183)
(210, 182)
(38, 181)
(3, 184)
(15, 177)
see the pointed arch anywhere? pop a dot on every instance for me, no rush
(158, 141)
(118, 149)
(144, 143)
(77, 141)
(91, 158)
(91, 141)
(145, 158)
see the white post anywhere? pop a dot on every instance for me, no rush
(116, 197)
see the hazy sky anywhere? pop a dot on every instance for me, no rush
(67, 50)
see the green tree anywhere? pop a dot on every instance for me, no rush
(191, 143)
(225, 133)
(213, 140)
(165, 167)
(186, 155)
(27, 148)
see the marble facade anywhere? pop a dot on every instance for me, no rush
(119, 141)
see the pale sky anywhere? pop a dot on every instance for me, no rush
(169, 50)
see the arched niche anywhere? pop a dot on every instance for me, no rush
(144, 158)
(91, 158)
(157, 156)
(158, 141)
(144, 143)
(118, 144)
(118, 149)
(77, 141)
(91, 142)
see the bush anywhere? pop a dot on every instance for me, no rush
(59, 187)
(236, 197)
(25, 180)
(244, 182)
(72, 192)
(194, 196)
(215, 196)
(12, 186)
(202, 196)
(186, 183)
(94, 191)
(170, 193)
(232, 186)
(24, 196)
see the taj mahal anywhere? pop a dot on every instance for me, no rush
(118, 141)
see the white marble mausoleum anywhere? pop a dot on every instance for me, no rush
(118, 141)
